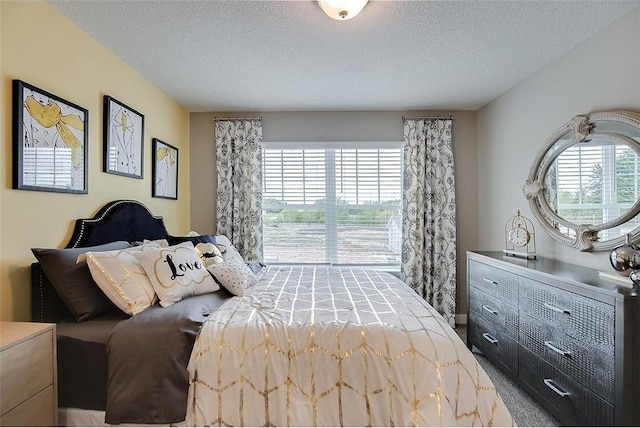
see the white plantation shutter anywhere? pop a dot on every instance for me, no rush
(597, 183)
(336, 205)
(295, 176)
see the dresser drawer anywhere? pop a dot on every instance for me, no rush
(495, 282)
(27, 368)
(580, 317)
(576, 402)
(36, 411)
(493, 342)
(494, 312)
(591, 366)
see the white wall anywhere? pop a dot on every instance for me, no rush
(341, 126)
(603, 73)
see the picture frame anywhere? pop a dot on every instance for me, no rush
(165, 170)
(123, 139)
(50, 142)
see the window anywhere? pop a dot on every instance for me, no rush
(596, 184)
(335, 205)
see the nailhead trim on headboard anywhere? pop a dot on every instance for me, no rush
(109, 208)
(41, 295)
(121, 220)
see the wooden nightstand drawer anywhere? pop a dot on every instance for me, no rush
(27, 368)
(28, 378)
(36, 411)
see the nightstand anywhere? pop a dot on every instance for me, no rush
(28, 374)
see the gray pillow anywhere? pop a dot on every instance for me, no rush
(73, 282)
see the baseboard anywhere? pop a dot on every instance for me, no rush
(461, 319)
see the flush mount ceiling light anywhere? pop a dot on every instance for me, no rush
(342, 9)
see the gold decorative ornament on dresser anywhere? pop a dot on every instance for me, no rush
(520, 237)
(28, 374)
(568, 337)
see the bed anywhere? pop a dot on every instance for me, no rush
(312, 346)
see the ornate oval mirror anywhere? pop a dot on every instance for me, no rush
(584, 185)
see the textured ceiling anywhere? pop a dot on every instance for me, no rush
(287, 55)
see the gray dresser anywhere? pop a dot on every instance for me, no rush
(569, 338)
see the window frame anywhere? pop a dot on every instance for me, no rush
(609, 207)
(332, 210)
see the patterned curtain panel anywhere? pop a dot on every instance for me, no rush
(239, 166)
(429, 214)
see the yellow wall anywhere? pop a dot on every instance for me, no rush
(42, 47)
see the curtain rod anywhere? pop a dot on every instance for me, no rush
(426, 117)
(237, 118)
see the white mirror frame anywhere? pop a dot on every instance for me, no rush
(581, 128)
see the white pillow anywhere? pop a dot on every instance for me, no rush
(227, 248)
(234, 275)
(176, 272)
(121, 278)
(158, 242)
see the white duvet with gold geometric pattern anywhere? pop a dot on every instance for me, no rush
(322, 346)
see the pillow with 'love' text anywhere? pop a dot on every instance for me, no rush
(176, 272)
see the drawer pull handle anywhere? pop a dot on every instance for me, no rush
(557, 350)
(555, 388)
(490, 338)
(556, 309)
(490, 310)
(490, 281)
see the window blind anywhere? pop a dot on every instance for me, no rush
(334, 205)
(596, 183)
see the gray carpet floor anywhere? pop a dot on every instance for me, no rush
(524, 409)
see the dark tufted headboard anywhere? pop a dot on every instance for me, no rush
(123, 220)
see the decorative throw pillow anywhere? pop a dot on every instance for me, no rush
(221, 241)
(73, 282)
(205, 246)
(176, 272)
(234, 275)
(209, 253)
(121, 277)
(226, 248)
(159, 242)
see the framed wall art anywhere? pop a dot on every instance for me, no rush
(165, 170)
(50, 137)
(123, 139)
